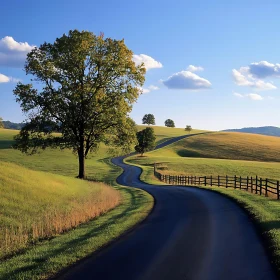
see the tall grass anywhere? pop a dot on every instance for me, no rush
(38, 205)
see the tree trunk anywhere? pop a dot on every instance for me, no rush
(81, 153)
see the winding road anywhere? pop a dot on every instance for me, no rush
(191, 234)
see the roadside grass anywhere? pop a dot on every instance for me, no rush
(206, 166)
(36, 205)
(225, 145)
(48, 257)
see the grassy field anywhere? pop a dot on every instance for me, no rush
(217, 153)
(50, 256)
(225, 145)
(165, 133)
(36, 205)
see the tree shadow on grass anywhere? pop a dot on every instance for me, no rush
(74, 244)
(6, 144)
(271, 225)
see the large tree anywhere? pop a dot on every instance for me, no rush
(149, 119)
(146, 140)
(1, 123)
(85, 88)
(169, 123)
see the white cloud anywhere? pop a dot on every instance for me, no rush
(149, 89)
(13, 53)
(238, 95)
(152, 87)
(148, 61)
(242, 77)
(252, 96)
(4, 79)
(264, 69)
(186, 80)
(193, 68)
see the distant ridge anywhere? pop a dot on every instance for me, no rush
(264, 130)
(11, 125)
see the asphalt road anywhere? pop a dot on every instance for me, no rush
(190, 234)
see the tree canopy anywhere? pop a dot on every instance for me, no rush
(149, 119)
(86, 86)
(169, 123)
(146, 140)
(188, 128)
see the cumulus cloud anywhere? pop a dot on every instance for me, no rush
(252, 96)
(239, 95)
(186, 80)
(243, 77)
(149, 89)
(13, 53)
(193, 68)
(264, 69)
(148, 61)
(4, 79)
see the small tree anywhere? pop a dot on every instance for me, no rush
(146, 140)
(87, 86)
(149, 119)
(1, 123)
(188, 128)
(169, 123)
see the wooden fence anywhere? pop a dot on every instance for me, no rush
(256, 185)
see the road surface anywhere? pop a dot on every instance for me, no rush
(191, 234)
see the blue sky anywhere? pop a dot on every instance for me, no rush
(211, 64)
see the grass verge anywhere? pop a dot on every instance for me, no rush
(50, 256)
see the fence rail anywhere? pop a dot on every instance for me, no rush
(256, 185)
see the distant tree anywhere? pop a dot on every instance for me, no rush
(87, 86)
(149, 119)
(146, 140)
(1, 123)
(169, 123)
(188, 128)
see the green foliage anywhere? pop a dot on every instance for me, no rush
(1, 123)
(87, 87)
(149, 119)
(188, 128)
(146, 140)
(169, 123)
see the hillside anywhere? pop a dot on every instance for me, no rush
(264, 130)
(36, 204)
(12, 125)
(225, 145)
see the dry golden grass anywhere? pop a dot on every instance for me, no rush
(37, 205)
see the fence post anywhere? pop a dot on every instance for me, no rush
(218, 180)
(260, 186)
(266, 187)
(226, 181)
(247, 183)
(256, 191)
(278, 191)
(204, 180)
(251, 184)
(199, 180)
(240, 183)
(235, 181)
(211, 181)
(195, 180)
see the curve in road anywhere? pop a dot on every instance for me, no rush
(191, 234)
